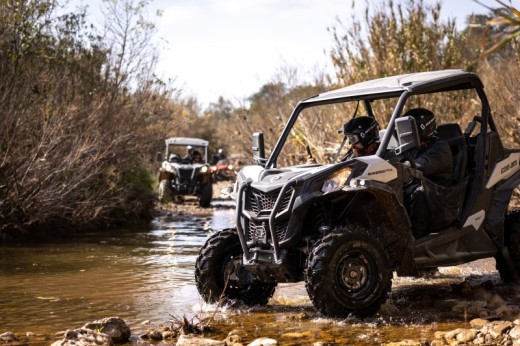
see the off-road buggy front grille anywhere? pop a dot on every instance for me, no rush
(258, 230)
(260, 205)
(186, 173)
(258, 201)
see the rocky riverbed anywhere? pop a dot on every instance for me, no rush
(465, 304)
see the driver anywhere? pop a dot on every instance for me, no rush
(362, 134)
(193, 155)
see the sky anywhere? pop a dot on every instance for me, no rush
(231, 48)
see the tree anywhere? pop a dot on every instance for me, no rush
(507, 18)
(396, 38)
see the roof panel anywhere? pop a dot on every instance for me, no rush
(394, 85)
(196, 142)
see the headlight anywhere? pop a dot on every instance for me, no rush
(167, 167)
(204, 169)
(336, 180)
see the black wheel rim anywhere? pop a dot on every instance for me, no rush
(236, 277)
(355, 272)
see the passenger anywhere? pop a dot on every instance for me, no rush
(197, 157)
(434, 159)
(189, 153)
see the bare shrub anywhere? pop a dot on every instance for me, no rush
(73, 153)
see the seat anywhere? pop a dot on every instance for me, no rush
(452, 134)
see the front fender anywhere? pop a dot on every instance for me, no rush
(163, 175)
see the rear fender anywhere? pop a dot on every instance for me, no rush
(499, 203)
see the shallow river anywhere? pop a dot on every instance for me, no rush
(146, 277)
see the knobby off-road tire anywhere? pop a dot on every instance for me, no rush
(512, 242)
(164, 191)
(206, 195)
(348, 271)
(219, 273)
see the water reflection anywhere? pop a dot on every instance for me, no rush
(136, 275)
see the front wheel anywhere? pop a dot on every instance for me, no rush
(220, 275)
(512, 242)
(164, 190)
(348, 272)
(206, 195)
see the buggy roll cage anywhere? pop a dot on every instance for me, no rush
(402, 87)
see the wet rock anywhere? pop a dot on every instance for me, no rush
(478, 323)
(466, 336)
(107, 331)
(152, 334)
(168, 334)
(233, 340)
(503, 333)
(439, 335)
(193, 340)
(8, 337)
(83, 337)
(263, 342)
(499, 328)
(116, 329)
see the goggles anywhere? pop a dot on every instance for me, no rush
(352, 138)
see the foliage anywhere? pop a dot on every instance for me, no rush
(74, 141)
(507, 18)
(394, 39)
(83, 112)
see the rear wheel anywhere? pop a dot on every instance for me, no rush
(220, 275)
(348, 271)
(512, 242)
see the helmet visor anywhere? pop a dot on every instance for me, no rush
(352, 138)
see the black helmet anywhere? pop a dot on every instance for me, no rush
(425, 120)
(363, 129)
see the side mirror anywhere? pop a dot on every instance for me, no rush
(258, 148)
(407, 134)
(158, 156)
